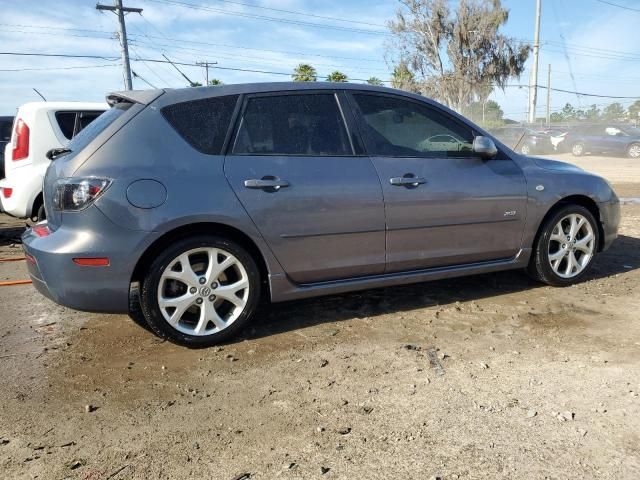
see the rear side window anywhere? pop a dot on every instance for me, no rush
(202, 123)
(66, 122)
(84, 119)
(307, 124)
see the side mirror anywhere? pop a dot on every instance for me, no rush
(484, 147)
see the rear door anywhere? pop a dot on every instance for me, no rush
(444, 206)
(318, 205)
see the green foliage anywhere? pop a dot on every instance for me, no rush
(492, 113)
(402, 78)
(337, 77)
(215, 82)
(304, 73)
(614, 112)
(634, 110)
(195, 84)
(375, 81)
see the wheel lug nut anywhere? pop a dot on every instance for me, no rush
(214, 285)
(193, 290)
(202, 280)
(212, 298)
(199, 301)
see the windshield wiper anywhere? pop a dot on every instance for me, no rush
(57, 152)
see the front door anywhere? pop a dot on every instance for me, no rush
(318, 206)
(444, 205)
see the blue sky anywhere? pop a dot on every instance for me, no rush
(591, 32)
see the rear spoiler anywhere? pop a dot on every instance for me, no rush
(143, 97)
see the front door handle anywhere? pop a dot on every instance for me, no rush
(407, 180)
(268, 183)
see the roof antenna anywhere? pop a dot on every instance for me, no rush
(41, 96)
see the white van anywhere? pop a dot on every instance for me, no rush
(38, 127)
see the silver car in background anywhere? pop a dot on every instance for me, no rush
(210, 198)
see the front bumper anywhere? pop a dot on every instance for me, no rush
(88, 288)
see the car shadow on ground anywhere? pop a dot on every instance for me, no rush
(272, 319)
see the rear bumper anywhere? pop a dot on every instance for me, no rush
(610, 218)
(88, 288)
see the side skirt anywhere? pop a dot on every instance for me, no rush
(283, 289)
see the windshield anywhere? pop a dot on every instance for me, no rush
(92, 130)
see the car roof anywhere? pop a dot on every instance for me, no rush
(194, 93)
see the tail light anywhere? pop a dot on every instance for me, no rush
(20, 141)
(74, 194)
(6, 192)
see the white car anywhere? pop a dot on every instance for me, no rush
(38, 127)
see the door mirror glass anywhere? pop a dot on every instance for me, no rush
(484, 147)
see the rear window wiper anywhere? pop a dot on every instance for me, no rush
(57, 152)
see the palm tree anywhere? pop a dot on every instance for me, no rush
(215, 82)
(337, 77)
(304, 73)
(375, 81)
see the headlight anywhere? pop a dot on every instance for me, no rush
(74, 194)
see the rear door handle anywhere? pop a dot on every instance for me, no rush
(407, 180)
(267, 183)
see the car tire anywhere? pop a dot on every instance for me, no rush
(577, 149)
(215, 295)
(633, 151)
(525, 149)
(555, 249)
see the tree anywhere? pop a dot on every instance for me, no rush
(214, 82)
(614, 112)
(375, 81)
(634, 111)
(593, 114)
(491, 114)
(304, 73)
(195, 84)
(454, 55)
(337, 76)
(402, 78)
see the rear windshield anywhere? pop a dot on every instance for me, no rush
(83, 138)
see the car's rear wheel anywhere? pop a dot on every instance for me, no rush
(565, 247)
(200, 291)
(634, 150)
(577, 149)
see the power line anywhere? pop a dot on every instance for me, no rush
(619, 6)
(271, 19)
(305, 14)
(58, 68)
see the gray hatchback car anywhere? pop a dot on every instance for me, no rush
(210, 198)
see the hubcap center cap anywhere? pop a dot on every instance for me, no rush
(205, 291)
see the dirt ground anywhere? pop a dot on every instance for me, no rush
(492, 376)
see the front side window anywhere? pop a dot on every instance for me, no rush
(399, 128)
(306, 124)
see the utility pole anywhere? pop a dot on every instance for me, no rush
(205, 64)
(119, 10)
(549, 96)
(533, 82)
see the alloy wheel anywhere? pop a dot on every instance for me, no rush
(203, 291)
(571, 245)
(577, 149)
(634, 151)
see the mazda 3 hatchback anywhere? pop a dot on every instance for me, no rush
(211, 198)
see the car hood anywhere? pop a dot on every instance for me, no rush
(556, 166)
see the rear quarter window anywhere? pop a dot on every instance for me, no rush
(203, 123)
(94, 128)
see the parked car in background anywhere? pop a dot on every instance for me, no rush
(206, 197)
(38, 128)
(524, 140)
(5, 137)
(604, 138)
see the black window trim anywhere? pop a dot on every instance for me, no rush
(79, 113)
(359, 120)
(237, 122)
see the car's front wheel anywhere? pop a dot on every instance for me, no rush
(565, 247)
(634, 150)
(525, 149)
(200, 291)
